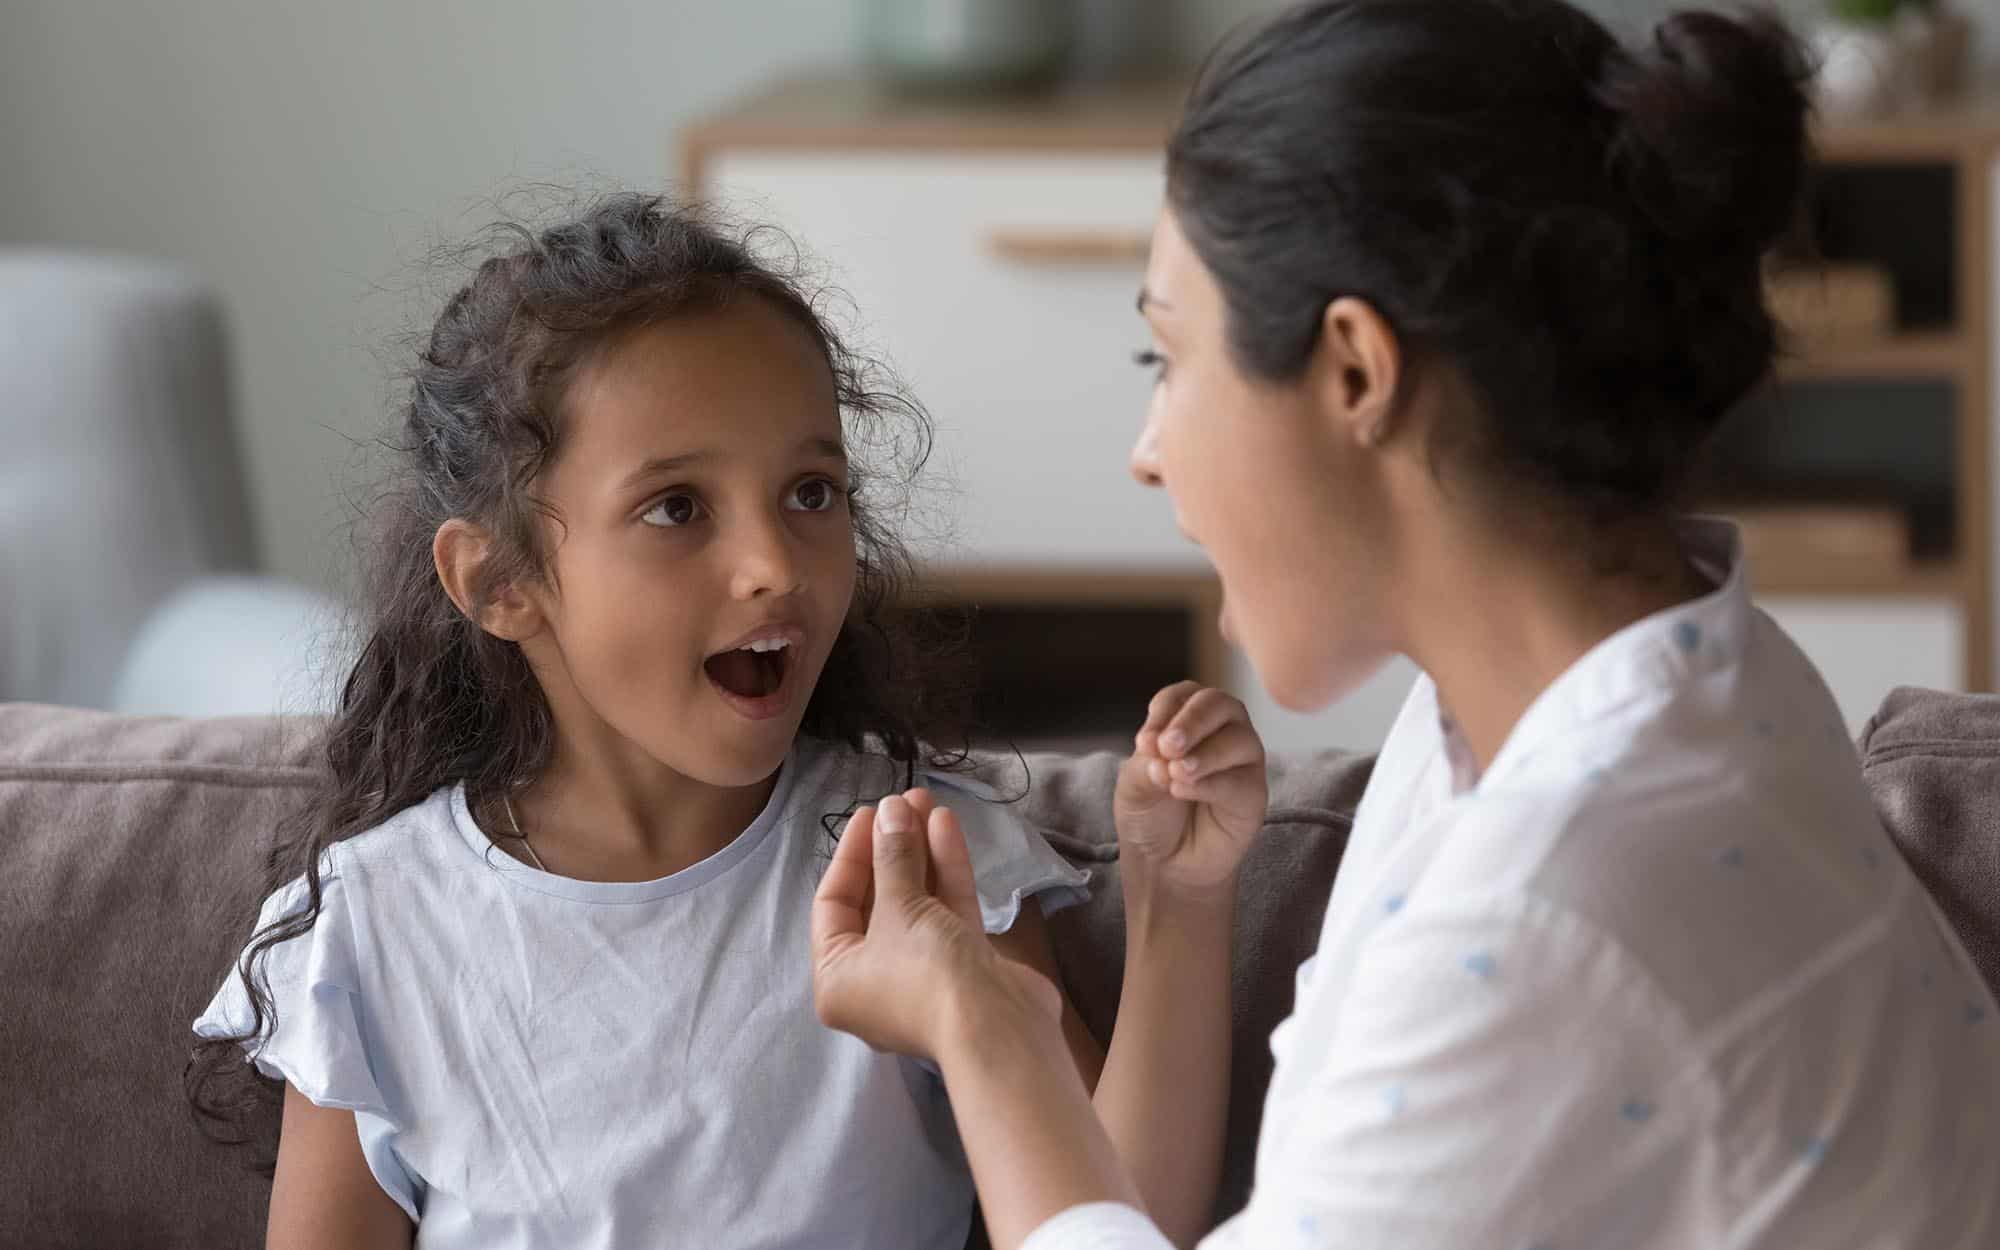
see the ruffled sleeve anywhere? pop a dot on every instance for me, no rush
(316, 1035)
(1011, 860)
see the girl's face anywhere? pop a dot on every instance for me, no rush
(1270, 480)
(701, 554)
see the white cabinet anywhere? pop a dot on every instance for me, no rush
(1026, 365)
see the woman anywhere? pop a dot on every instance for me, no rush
(1446, 295)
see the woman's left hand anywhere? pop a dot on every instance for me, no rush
(899, 954)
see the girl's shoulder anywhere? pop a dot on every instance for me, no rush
(430, 831)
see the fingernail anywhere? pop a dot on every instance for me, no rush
(1172, 741)
(1187, 766)
(1158, 772)
(894, 815)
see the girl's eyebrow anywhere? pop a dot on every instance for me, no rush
(658, 465)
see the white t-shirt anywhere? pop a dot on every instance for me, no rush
(1657, 980)
(535, 1061)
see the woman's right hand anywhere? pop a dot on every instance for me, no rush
(1193, 794)
(900, 957)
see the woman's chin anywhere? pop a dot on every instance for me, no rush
(1313, 684)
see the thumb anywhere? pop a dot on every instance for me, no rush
(952, 861)
(901, 864)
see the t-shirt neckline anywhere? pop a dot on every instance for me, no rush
(693, 877)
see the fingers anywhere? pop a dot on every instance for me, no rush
(902, 862)
(951, 863)
(1160, 711)
(840, 905)
(1202, 715)
(1234, 746)
(922, 802)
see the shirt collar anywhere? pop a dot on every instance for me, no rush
(1661, 652)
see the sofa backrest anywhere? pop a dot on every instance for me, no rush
(1933, 766)
(132, 853)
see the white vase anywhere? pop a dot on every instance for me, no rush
(1864, 69)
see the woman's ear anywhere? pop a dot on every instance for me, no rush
(459, 550)
(1360, 367)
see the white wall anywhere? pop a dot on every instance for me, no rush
(301, 154)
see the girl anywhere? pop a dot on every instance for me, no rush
(1445, 296)
(535, 978)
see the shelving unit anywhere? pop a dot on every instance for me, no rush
(1959, 144)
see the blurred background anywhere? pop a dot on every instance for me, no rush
(213, 215)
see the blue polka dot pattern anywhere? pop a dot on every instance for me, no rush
(1482, 965)
(1393, 904)
(1687, 636)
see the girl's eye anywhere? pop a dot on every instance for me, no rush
(672, 511)
(816, 495)
(1150, 359)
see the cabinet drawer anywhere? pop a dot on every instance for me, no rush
(1002, 288)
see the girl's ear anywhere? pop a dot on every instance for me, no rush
(459, 550)
(1360, 370)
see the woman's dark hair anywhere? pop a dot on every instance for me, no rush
(1575, 227)
(433, 699)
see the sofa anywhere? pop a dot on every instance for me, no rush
(131, 850)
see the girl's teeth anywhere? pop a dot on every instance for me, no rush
(767, 644)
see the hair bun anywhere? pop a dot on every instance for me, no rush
(1711, 135)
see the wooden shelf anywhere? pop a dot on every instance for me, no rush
(1923, 356)
(1942, 134)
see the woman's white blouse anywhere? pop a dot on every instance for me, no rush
(1657, 979)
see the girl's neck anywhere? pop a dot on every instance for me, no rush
(1500, 616)
(595, 817)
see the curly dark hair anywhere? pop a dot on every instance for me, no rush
(432, 699)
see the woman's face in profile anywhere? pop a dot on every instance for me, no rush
(1261, 477)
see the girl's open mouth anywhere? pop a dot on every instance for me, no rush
(752, 678)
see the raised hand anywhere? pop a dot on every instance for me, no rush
(1193, 794)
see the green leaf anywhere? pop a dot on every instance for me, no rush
(1866, 11)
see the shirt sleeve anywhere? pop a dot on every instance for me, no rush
(1098, 1226)
(314, 1037)
(1011, 861)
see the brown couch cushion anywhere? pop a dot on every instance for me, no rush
(1932, 761)
(130, 851)
(131, 858)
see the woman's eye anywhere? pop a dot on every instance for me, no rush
(815, 495)
(674, 510)
(1150, 359)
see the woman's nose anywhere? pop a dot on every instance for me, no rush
(1146, 457)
